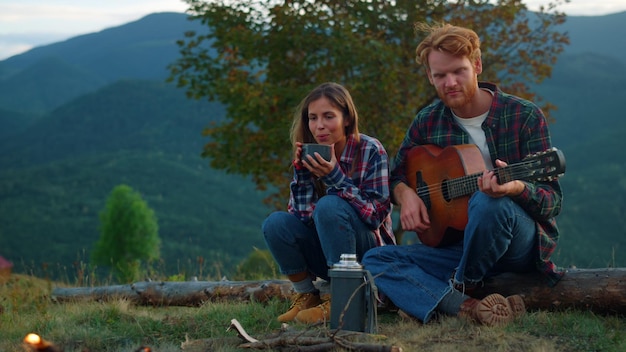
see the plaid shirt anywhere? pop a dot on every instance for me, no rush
(514, 128)
(366, 190)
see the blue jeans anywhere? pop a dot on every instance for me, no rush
(499, 237)
(336, 229)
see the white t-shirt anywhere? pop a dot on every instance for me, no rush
(473, 127)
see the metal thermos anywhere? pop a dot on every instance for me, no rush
(353, 303)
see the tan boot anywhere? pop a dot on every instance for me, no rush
(300, 302)
(317, 314)
(493, 309)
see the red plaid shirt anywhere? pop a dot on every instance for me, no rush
(367, 189)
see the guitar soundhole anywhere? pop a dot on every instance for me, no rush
(451, 236)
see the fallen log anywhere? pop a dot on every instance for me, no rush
(601, 291)
(174, 293)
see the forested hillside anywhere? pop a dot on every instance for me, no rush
(589, 128)
(79, 117)
(56, 175)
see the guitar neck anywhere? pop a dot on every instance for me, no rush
(468, 184)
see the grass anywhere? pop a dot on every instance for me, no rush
(121, 326)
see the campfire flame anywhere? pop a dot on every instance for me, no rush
(32, 339)
(37, 344)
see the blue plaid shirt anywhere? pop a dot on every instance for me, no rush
(364, 185)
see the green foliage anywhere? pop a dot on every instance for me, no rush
(259, 265)
(55, 178)
(13, 122)
(129, 235)
(592, 223)
(261, 57)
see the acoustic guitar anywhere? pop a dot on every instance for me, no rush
(445, 178)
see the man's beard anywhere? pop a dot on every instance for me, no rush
(468, 92)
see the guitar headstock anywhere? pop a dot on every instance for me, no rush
(544, 166)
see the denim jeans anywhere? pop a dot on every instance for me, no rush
(298, 247)
(499, 237)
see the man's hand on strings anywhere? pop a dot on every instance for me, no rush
(488, 183)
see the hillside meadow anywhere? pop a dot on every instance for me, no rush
(118, 325)
(79, 117)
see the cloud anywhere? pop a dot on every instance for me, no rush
(583, 7)
(16, 18)
(25, 24)
(13, 44)
(10, 49)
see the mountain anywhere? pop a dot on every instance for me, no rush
(597, 34)
(57, 174)
(45, 84)
(588, 91)
(13, 122)
(126, 115)
(141, 49)
(79, 117)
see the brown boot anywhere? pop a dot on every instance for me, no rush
(317, 314)
(493, 309)
(300, 302)
(517, 305)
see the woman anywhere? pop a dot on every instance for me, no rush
(335, 207)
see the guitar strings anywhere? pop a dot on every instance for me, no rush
(461, 185)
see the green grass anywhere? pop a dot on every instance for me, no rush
(119, 325)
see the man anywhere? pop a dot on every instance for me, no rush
(510, 225)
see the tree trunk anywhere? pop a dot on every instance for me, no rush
(598, 290)
(601, 291)
(190, 293)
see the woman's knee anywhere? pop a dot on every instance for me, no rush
(329, 207)
(275, 222)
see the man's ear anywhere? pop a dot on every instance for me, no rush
(478, 66)
(429, 76)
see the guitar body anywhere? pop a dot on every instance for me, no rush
(445, 179)
(428, 169)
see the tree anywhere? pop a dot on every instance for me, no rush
(129, 235)
(260, 57)
(259, 265)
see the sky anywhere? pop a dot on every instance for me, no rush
(25, 24)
